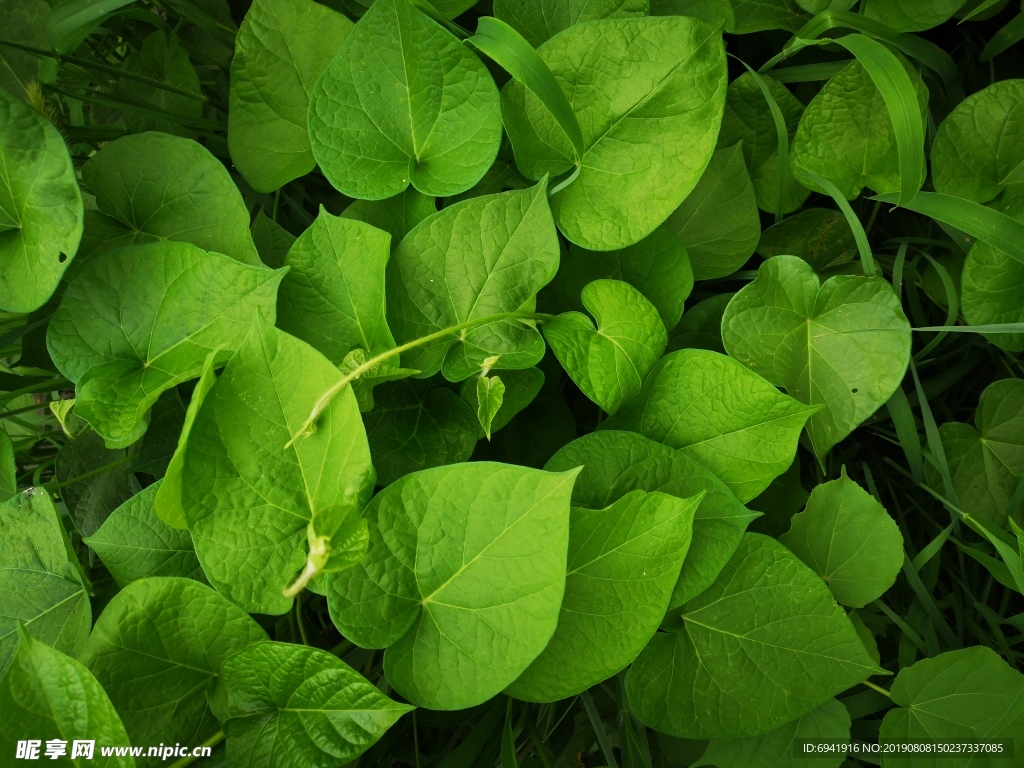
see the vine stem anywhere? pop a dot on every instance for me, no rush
(325, 399)
(213, 741)
(877, 688)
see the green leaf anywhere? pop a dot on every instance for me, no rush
(533, 436)
(701, 326)
(397, 215)
(766, 644)
(40, 207)
(540, 20)
(41, 582)
(168, 502)
(271, 239)
(71, 22)
(289, 705)
(986, 461)
(649, 94)
(719, 413)
(658, 266)
(138, 321)
(617, 463)
(844, 343)
(819, 236)
(249, 501)
(846, 537)
(775, 749)
(476, 258)
(162, 57)
(490, 393)
(846, 134)
(911, 15)
(403, 102)
(8, 470)
(749, 119)
(417, 425)
(610, 362)
(519, 390)
(785, 497)
(980, 143)
(90, 501)
(47, 695)
(134, 543)
(152, 186)
(718, 222)
(623, 564)
(157, 649)
(281, 49)
(738, 16)
(965, 694)
(463, 579)
(23, 23)
(157, 446)
(333, 296)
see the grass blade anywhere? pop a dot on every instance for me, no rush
(867, 260)
(70, 23)
(1005, 38)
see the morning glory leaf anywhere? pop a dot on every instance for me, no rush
(658, 266)
(980, 143)
(820, 236)
(648, 94)
(540, 20)
(718, 222)
(490, 393)
(157, 648)
(415, 425)
(252, 504)
(617, 463)
(41, 582)
(846, 537)
(47, 695)
(157, 446)
(610, 362)
(281, 49)
(766, 644)
(333, 296)
(396, 215)
(993, 287)
(846, 135)
(844, 343)
(40, 207)
(911, 15)
(785, 497)
(90, 501)
(719, 413)
(622, 567)
(289, 706)
(140, 320)
(135, 543)
(462, 581)
(153, 186)
(965, 694)
(479, 257)
(162, 58)
(830, 721)
(986, 461)
(271, 239)
(701, 326)
(519, 390)
(403, 102)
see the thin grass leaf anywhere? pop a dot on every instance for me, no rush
(952, 305)
(906, 431)
(70, 23)
(1005, 38)
(924, 596)
(599, 731)
(922, 558)
(931, 431)
(904, 627)
(981, 8)
(863, 246)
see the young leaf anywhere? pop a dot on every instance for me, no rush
(848, 539)
(249, 500)
(980, 143)
(519, 390)
(540, 20)
(720, 413)
(281, 49)
(764, 645)
(623, 565)
(658, 266)
(47, 695)
(40, 207)
(417, 425)
(476, 258)
(844, 344)
(41, 582)
(163, 58)
(403, 102)
(397, 215)
(333, 296)
(718, 222)
(964, 694)
(156, 649)
(151, 187)
(775, 749)
(617, 463)
(137, 321)
(289, 705)
(819, 236)
(490, 393)
(649, 103)
(134, 543)
(462, 581)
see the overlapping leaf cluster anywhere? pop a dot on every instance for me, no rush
(567, 392)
